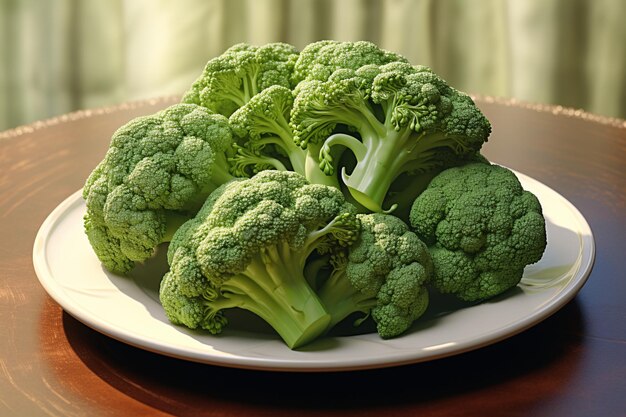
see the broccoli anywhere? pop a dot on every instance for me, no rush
(384, 273)
(230, 80)
(318, 60)
(482, 229)
(256, 179)
(400, 119)
(248, 247)
(156, 174)
(251, 85)
(263, 126)
(407, 187)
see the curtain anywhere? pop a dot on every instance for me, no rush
(61, 55)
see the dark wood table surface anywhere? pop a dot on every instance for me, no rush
(571, 364)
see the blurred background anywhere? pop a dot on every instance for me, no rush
(58, 56)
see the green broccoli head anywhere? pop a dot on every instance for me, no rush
(251, 85)
(401, 120)
(265, 115)
(318, 60)
(157, 172)
(248, 247)
(230, 80)
(384, 273)
(188, 311)
(262, 126)
(482, 228)
(402, 299)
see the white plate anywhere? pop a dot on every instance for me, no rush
(127, 308)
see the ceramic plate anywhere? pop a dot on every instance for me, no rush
(127, 308)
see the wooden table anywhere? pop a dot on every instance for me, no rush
(572, 364)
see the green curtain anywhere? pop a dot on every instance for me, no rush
(61, 55)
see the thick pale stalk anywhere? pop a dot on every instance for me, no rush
(373, 175)
(282, 297)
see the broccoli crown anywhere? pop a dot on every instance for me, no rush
(266, 114)
(251, 85)
(185, 310)
(406, 120)
(319, 106)
(271, 208)
(262, 125)
(482, 228)
(318, 60)
(157, 171)
(248, 246)
(384, 273)
(266, 139)
(242, 71)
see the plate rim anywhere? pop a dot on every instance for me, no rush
(563, 297)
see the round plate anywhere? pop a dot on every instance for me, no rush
(127, 307)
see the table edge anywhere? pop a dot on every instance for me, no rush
(557, 110)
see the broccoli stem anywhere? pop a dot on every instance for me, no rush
(302, 161)
(313, 173)
(356, 146)
(377, 167)
(314, 270)
(245, 158)
(389, 156)
(273, 287)
(239, 94)
(228, 91)
(173, 221)
(221, 171)
(341, 299)
(284, 140)
(250, 85)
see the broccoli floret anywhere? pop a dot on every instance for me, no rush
(262, 125)
(156, 174)
(401, 119)
(230, 80)
(408, 186)
(247, 248)
(318, 60)
(251, 85)
(384, 274)
(482, 229)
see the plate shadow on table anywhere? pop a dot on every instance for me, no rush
(167, 383)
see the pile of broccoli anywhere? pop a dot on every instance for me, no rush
(337, 183)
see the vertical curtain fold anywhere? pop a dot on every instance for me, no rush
(605, 66)
(61, 55)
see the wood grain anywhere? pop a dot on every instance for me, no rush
(572, 364)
